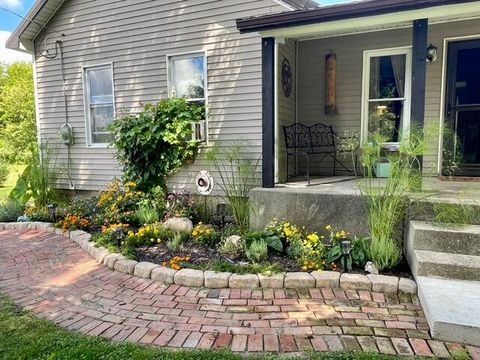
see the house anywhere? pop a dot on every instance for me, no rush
(408, 62)
(263, 72)
(93, 59)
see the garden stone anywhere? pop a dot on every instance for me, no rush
(371, 268)
(100, 254)
(247, 281)
(74, 235)
(83, 243)
(163, 275)
(2, 226)
(43, 226)
(144, 269)
(327, 279)
(299, 280)
(110, 260)
(216, 280)
(9, 226)
(21, 225)
(33, 225)
(274, 281)
(125, 266)
(408, 286)
(234, 239)
(189, 277)
(355, 282)
(384, 284)
(179, 224)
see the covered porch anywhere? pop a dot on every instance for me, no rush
(341, 71)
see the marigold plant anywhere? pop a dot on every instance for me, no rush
(206, 234)
(148, 235)
(176, 263)
(74, 222)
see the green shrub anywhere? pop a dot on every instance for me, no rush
(4, 171)
(257, 251)
(147, 214)
(231, 249)
(10, 210)
(175, 242)
(155, 142)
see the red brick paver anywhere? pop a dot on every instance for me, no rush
(53, 277)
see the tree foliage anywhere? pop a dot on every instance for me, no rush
(155, 142)
(17, 112)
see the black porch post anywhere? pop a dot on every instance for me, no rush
(419, 74)
(268, 111)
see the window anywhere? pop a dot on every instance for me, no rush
(386, 97)
(187, 76)
(99, 103)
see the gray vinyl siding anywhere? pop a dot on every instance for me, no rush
(286, 105)
(349, 50)
(136, 36)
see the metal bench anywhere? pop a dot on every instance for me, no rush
(318, 139)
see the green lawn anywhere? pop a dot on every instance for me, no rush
(23, 336)
(15, 172)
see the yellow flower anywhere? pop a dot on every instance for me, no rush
(288, 232)
(328, 227)
(312, 237)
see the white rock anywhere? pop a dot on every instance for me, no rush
(179, 224)
(371, 268)
(110, 260)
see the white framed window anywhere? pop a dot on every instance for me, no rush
(386, 98)
(187, 76)
(99, 103)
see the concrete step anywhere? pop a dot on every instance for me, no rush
(451, 266)
(449, 239)
(451, 308)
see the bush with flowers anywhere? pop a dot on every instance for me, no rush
(206, 234)
(73, 222)
(151, 234)
(177, 262)
(313, 252)
(118, 202)
(291, 235)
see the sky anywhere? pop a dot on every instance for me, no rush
(9, 21)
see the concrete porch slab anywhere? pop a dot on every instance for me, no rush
(451, 308)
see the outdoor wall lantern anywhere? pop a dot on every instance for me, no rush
(432, 53)
(52, 212)
(346, 249)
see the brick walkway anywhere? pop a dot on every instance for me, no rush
(57, 280)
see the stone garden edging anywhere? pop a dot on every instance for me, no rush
(215, 280)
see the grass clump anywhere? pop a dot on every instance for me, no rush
(10, 210)
(147, 214)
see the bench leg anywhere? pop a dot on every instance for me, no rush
(308, 169)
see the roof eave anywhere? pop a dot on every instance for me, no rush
(337, 12)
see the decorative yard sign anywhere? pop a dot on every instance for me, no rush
(330, 84)
(287, 82)
(204, 182)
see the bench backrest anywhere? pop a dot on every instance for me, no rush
(315, 136)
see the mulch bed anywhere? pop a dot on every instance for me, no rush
(202, 255)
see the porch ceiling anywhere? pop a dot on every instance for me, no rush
(358, 17)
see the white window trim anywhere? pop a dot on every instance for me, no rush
(367, 55)
(186, 55)
(86, 101)
(205, 75)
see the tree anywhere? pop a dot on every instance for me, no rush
(17, 112)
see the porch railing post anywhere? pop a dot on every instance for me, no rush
(419, 74)
(268, 112)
